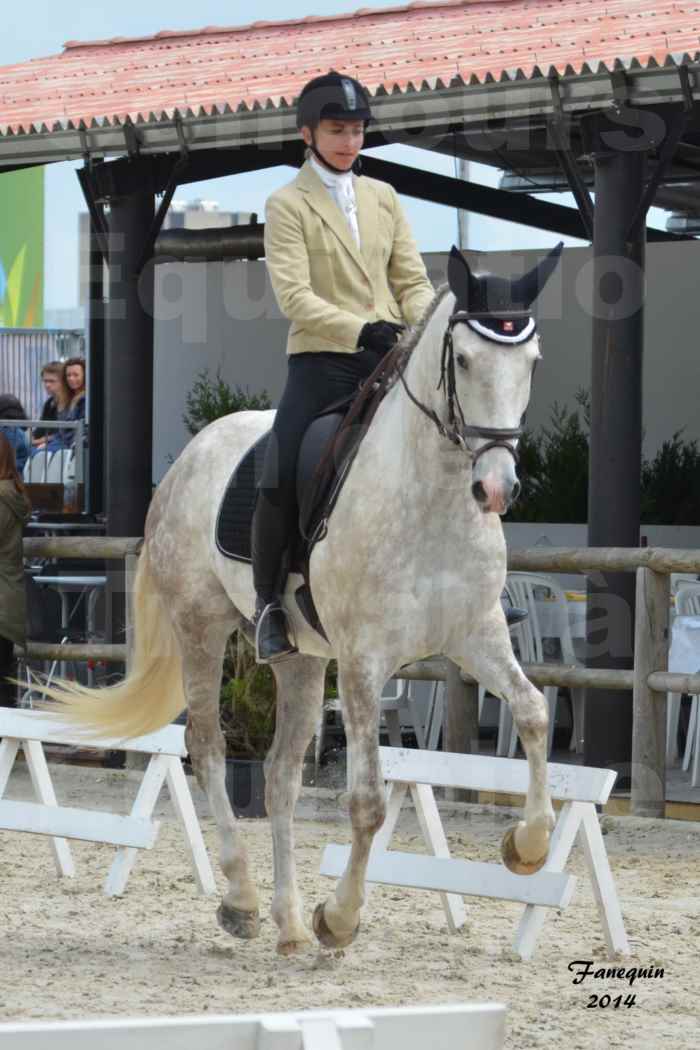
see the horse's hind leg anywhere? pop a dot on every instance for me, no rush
(337, 921)
(203, 630)
(300, 682)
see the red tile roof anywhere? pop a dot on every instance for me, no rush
(423, 44)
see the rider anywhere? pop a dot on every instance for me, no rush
(346, 271)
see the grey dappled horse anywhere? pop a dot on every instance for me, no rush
(413, 564)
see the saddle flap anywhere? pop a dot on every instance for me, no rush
(314, 445)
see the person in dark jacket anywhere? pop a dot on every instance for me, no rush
(12, 408)
(58, 398)
(14, 512)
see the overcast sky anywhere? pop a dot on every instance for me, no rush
(41, 27)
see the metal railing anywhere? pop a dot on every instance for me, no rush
(62, 464)
(649, 679)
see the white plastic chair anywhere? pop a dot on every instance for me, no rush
(398, 709)
(61, 467)
(37, 466)
(687, 604)
(679, 579)
(526, 589)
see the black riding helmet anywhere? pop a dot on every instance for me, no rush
(332, 96)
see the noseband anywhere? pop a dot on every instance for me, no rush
(457, 429)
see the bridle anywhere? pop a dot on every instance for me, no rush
(457, 430)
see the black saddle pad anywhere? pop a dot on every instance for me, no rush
(236, 509)
(237, 506)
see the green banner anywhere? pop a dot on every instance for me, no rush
(22, 248)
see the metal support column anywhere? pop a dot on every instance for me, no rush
(129, 368)
(128, 386)
(616, 434)
(96, 378)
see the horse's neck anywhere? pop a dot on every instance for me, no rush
(407, 443)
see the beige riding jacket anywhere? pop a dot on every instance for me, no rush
(324, 283)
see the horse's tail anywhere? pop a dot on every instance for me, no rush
(151, 695)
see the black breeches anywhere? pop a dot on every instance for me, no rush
(314, 381)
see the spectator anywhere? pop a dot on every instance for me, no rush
(74, 379)
(11, 408)
(14, 512)
(58, 400)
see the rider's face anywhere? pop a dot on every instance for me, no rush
(338, 141)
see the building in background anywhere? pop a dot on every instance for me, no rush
(182, 215)
(22, 249)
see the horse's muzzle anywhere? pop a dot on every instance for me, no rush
(494, 498)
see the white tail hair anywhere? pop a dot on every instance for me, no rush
(151, 695)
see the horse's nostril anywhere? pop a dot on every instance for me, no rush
(479, 492)
(516, 492)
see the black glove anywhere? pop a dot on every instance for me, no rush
(379, 336)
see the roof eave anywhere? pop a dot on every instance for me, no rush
(524, 97)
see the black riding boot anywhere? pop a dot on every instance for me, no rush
(268, 545)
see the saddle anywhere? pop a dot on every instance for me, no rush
(326, 454)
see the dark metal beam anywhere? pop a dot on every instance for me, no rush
(229, 242)
(483, 200)
(616, 436)
(152, 174)
(96, 378)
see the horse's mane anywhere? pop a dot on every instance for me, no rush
(385, 374)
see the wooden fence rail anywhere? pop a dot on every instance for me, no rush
(649, 680)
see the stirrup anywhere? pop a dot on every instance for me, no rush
(274, 606)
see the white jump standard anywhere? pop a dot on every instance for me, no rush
(579, 788)
(30, 729)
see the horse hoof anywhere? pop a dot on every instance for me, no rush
(325, 935)
(243, 924)
(287, 948)
(512, 859)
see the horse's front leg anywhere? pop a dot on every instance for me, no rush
(487, 654)
(336, 921)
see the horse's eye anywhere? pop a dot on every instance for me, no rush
(461, 361)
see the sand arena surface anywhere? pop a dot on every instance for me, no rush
(70, 952)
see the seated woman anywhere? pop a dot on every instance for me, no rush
(14, 512)
(11, 408)
(74, 377)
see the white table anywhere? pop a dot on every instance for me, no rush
(67, 585)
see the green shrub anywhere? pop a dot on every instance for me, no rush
(670, 484)
(553, 472)
(247, 702)
(553, 468)
(210, 399)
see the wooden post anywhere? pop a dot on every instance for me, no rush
(461, 732)
(649, 707)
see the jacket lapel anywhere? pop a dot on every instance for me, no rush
(323, 204)
(367, 216)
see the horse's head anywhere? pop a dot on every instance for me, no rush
(489, 356)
